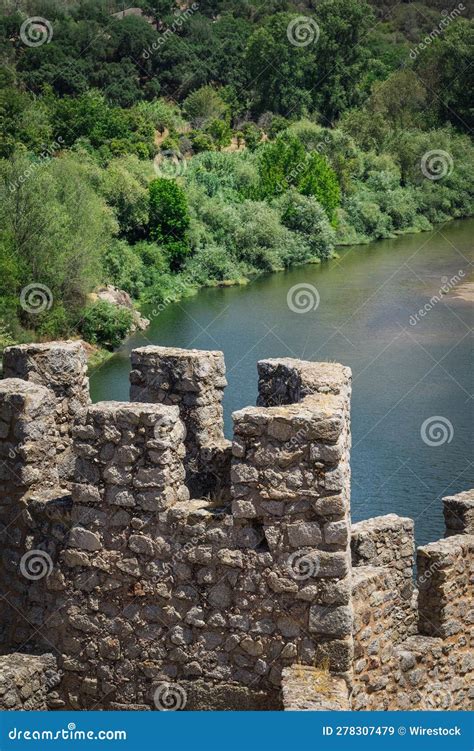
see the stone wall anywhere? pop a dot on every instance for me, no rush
(445, 580)
(309, 689)
(389, 541)
(155, 587)
(194, 380)
(62, 368)
(28, 682)
(459, 513)
(27, 463)
(433, 666)
(166, 571)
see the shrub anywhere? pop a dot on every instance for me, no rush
(201, 141)
(220, 132)
(320, 180)
(231, 174)
(306, 216)
(277, 125)
(54, 324)
(212, 265)
(6, 338)
(169, 216)
(204, 105)
(105, 324)
(176, 251)
(252, 136)
(123, 267)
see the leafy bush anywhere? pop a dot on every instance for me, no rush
(55, 323)
(123, 267)
(213, 265)
(220, 133)
(105, 324)
(169, 216)
(320, 181)
(306, 216)
(204, 105)
(201, 141)
(252, 136)
(285, 163)
(233, 175)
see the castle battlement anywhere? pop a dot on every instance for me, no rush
(142, 549)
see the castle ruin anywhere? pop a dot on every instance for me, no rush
(149, 563)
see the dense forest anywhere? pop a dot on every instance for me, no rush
(169, 146)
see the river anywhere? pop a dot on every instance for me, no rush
(412, 415)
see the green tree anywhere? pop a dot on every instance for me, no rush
(320, 180)
(341, 56)
(446, 68)
(278, 69)
(23, 121)
(124, 185)
(305, 215)
(204, 105)
(252, 136)
(281, 164)
(169, 218)
(401, 100)
(55, 229)
(220, 132)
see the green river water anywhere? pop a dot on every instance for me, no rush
(412, 415)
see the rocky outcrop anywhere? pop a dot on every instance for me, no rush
(121, 299)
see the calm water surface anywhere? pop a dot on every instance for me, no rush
(404, 374)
